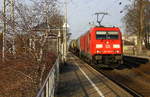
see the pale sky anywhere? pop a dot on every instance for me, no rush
(81, 12)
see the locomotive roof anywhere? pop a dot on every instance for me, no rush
(101, 28)
(105, 28)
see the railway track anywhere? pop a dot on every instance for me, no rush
(135, 61)
(133, 76)
(131, 91)
(76, 60)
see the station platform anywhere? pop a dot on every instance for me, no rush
(78, 79)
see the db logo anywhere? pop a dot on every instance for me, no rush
(107, 46)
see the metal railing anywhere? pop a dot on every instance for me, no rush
(49, 85)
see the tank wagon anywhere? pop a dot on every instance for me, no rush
(73, 46)
(100, 45)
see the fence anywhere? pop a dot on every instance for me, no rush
(48, 88)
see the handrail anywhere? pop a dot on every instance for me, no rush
(48, 87)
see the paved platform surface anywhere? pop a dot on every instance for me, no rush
(78, 79)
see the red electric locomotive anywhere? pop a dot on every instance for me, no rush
(101, 45)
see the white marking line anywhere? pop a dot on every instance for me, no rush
(92, 83)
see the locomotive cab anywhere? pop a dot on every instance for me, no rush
(106, 45)
(100, 45)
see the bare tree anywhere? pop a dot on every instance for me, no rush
(136, 20)
(28, 17)
(33, 25)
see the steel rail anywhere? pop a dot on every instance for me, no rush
(129, 90)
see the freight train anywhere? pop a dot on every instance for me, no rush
(100, 45)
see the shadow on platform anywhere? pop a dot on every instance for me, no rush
(71, 81)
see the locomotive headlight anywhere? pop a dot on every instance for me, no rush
(99, 45)
(116, 46)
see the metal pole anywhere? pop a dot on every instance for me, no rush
(12, 18)
(58, 43)
(4, 30)
(65, 32)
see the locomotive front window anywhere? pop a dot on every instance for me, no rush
(101, 34)
(112, 35)
(107, 35)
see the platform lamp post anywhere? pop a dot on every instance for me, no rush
(58, 42)
(65, 31)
